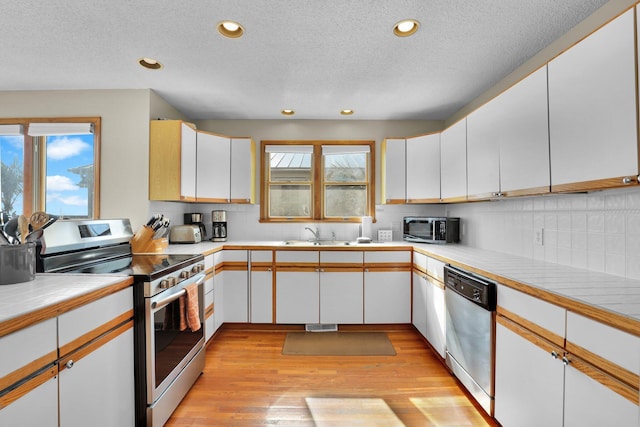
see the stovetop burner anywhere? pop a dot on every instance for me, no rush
(149, 266)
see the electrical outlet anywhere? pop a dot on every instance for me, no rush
(385, 235)
(538, 236)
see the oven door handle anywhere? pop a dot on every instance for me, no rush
(157, 305)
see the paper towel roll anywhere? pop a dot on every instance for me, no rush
(365, 229)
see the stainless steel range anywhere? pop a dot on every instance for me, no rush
(169, 346)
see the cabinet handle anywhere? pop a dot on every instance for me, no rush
(629, 180)
(322, 270)
(554, 354)
(69, 364)
(366, 270)
(566, 361)
(269, 269)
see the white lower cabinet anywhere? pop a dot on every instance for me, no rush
(218, 291)
(588, 377)
(236, 286)
(73, 370)
(341, 297)
(261, 287)
(209, 316)
(387, 296)
(436, 315)
(387, 287)
(419, 302)
(38, 407)
(297, 296)
(99, 386)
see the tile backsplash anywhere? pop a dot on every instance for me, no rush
(598, 231)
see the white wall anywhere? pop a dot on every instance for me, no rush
(124, 154)
(598, 231)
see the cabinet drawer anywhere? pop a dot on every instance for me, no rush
(89, 321)
(27, 350)
(297, 256)
(541, 317)
(340, 257)
(208, 262)
(420, 261)
(602, 340)
(235, 255)
(435, 269)
(387, 257)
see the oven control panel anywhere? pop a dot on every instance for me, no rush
(172, 279)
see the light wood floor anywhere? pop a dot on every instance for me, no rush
(248, 382)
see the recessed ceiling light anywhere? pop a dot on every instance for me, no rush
(406, 27)
(346, 112)
(150, 63)
(230, 29)
(287, 112)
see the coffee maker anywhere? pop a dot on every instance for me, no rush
(196, 219)
(219, 228)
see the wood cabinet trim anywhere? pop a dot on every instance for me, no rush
(95, 333)
(430, 200)
(628, 392)
(297, 267)
(610, 368)
(235, 265)
(600, 184)
(532, 327)
(28, 369)
(530, 336)
(341, 268)
(28, 319)
(91, 346)
(261, 266)
(380, 267)
(29, 385)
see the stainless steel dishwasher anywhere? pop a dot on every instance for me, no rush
(470, 332)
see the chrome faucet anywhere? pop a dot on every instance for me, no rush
(316, 234)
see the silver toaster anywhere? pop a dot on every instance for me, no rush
(185, 234)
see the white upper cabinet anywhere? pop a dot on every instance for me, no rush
(453, 163)
(423, 169)
(393, 167)
(508, 142)
(592, 110)
(243, 154)
(214, 168)
(172, 161)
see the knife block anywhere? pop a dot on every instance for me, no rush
(143, 242)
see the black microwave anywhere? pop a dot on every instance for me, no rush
(423, 229)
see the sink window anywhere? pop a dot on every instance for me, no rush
(317, 180)
(50, 165)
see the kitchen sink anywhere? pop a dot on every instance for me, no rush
(318, 243)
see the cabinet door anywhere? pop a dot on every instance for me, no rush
(587, 402)
(243, 177)
(419, 302)
(99, 385)
(218, 290)
(214, 168)
(436, 316)
(236, 296)
(172, 161)
(592, 110)
(188, 162)
(297, 296)
(36, 407)
(483, 160)
(524, 137)
(529, 388)
(423, 169)
(341, 297)
(393, 171)
(387, 296)
(261, 295)
(261, 287)
(453, 162)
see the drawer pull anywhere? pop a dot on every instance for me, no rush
(554, 354)
(566, 361)
(69, 364)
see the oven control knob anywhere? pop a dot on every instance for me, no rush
(184, 274)
(476, 295)
(197, 268)
(164, 284)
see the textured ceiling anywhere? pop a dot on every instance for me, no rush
(314, 56)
